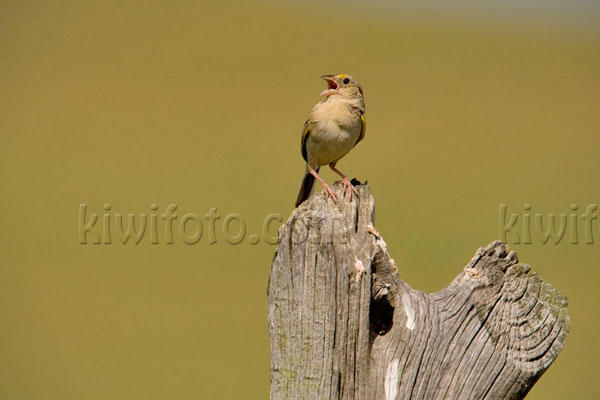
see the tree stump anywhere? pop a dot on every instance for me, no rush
(343, 325)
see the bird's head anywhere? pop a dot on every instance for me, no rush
(342, 85)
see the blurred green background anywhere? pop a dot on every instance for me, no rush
(201, 104)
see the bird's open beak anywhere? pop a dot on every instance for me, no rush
(332, 86)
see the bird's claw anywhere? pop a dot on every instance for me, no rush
(349, 188)
(329, 193)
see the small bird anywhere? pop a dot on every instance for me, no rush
(333, 128)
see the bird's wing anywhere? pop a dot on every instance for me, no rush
(363, 128)
(305, 134)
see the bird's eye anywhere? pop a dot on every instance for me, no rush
(346, 81)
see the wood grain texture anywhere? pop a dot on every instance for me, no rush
(343, 325)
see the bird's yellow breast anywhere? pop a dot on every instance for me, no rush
(335, 129)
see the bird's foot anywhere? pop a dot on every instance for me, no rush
(349, 188)
(329, 193)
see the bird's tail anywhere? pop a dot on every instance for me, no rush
(305, 188)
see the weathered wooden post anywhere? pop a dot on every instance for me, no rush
(343, 325)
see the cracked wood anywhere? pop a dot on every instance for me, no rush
(343, 325)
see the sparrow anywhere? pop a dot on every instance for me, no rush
(333, 128)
